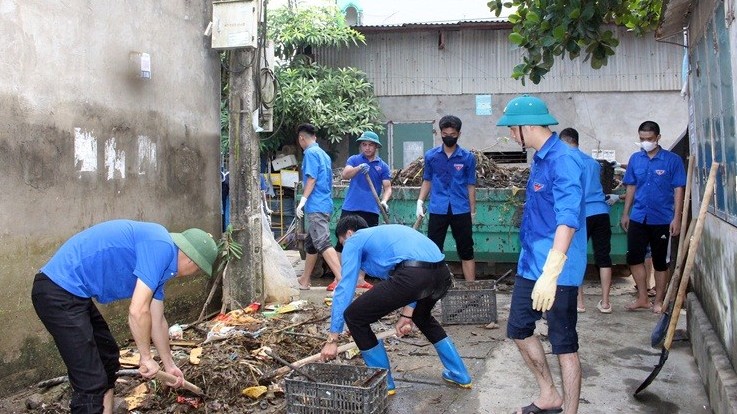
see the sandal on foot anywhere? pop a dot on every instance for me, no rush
(580, 310)
(302, 287)
(533, 409)
(602, 309)
(364, 285)
(331, 287)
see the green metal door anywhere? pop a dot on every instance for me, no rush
(408, 141)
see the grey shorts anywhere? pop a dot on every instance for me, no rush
(318, 233)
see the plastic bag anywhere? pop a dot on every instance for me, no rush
(280, 280)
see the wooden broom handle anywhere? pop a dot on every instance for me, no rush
(693, 248)
(683, 236)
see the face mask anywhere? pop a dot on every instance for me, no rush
(450, 141)
(648, 145)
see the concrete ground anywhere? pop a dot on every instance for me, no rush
(615, 353)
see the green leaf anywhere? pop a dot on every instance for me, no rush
(516, 38)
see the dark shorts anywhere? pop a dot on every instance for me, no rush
(561, 318)
(83, 339)
(656, 235)
(599, 230)
(372, 219)
(461, 228)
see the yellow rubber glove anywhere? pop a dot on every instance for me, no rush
(543, 294)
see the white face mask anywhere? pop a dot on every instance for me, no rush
(648, 145)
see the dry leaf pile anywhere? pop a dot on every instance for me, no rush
(489, 174)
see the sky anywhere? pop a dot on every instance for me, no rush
(390, 12)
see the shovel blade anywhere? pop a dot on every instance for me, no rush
(658, 336)
(656, 371)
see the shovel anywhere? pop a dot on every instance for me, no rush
(384, 213)
(658, 334)
(683, 285)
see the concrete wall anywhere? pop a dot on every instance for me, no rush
(604, 120)
(83, 139)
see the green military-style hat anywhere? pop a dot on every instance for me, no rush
(199, 246)
(370, 137)
(526, 110)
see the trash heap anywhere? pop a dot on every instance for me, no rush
(489, 174)
(228, 357)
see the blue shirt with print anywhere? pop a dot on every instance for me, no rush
(554, 196)
(594, 196)
(656, 180)
(105, 261)
(450, 178)
(377, 250)
(359, 197)
(316, 164)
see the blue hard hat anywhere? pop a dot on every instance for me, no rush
(370, 137)
(526, 110)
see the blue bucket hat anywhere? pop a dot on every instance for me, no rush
(370, 137)
(526, 110)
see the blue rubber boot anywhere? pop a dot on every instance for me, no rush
(455, 370)
(376, 357)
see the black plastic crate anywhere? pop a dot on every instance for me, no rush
(340, 389)
(469, 303)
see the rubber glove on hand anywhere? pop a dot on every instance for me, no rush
(543, 294)
(385, 206)
(298, 212)
(268, 211)
(419, 211)
(612, 199)
(364, 168)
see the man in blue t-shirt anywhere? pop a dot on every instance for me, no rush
(414, 276)
(655, 180)
(317, 204)
(552, 259)
(114, 260)
(598, 223)
(359, 199)
(449, 178)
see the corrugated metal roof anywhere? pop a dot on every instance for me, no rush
(491, 23)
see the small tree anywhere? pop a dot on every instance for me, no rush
(547, 29)
(340, 102)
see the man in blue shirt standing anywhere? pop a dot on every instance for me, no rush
(655, 180)
(415, 278)
(359, 199)
(114, 260)
(449, 178)
(552, 260)
(598, 223)
(317, 203)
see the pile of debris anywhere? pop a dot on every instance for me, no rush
(489, 174)
(233, 359)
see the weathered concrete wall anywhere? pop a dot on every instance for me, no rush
(714, 280)
(83, 139)
(716, 372)
(604, 120)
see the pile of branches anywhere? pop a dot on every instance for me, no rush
(488, 174)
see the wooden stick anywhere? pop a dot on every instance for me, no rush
(682, 237)
(692, 251)
(316, 357)
(167, 378)
(384, 214)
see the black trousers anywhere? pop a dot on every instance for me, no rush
(404, 286)
(83, 339)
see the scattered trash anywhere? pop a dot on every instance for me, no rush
(194, 356)
(255, 392)
(176, 332)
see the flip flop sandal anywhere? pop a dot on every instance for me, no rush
(364, 285)
(331, 287)
(533, 409)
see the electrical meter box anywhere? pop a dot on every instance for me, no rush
(235, 24)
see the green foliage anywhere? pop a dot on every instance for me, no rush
(293, 30)
(228, 249)
(339, 102)
(547, 29)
